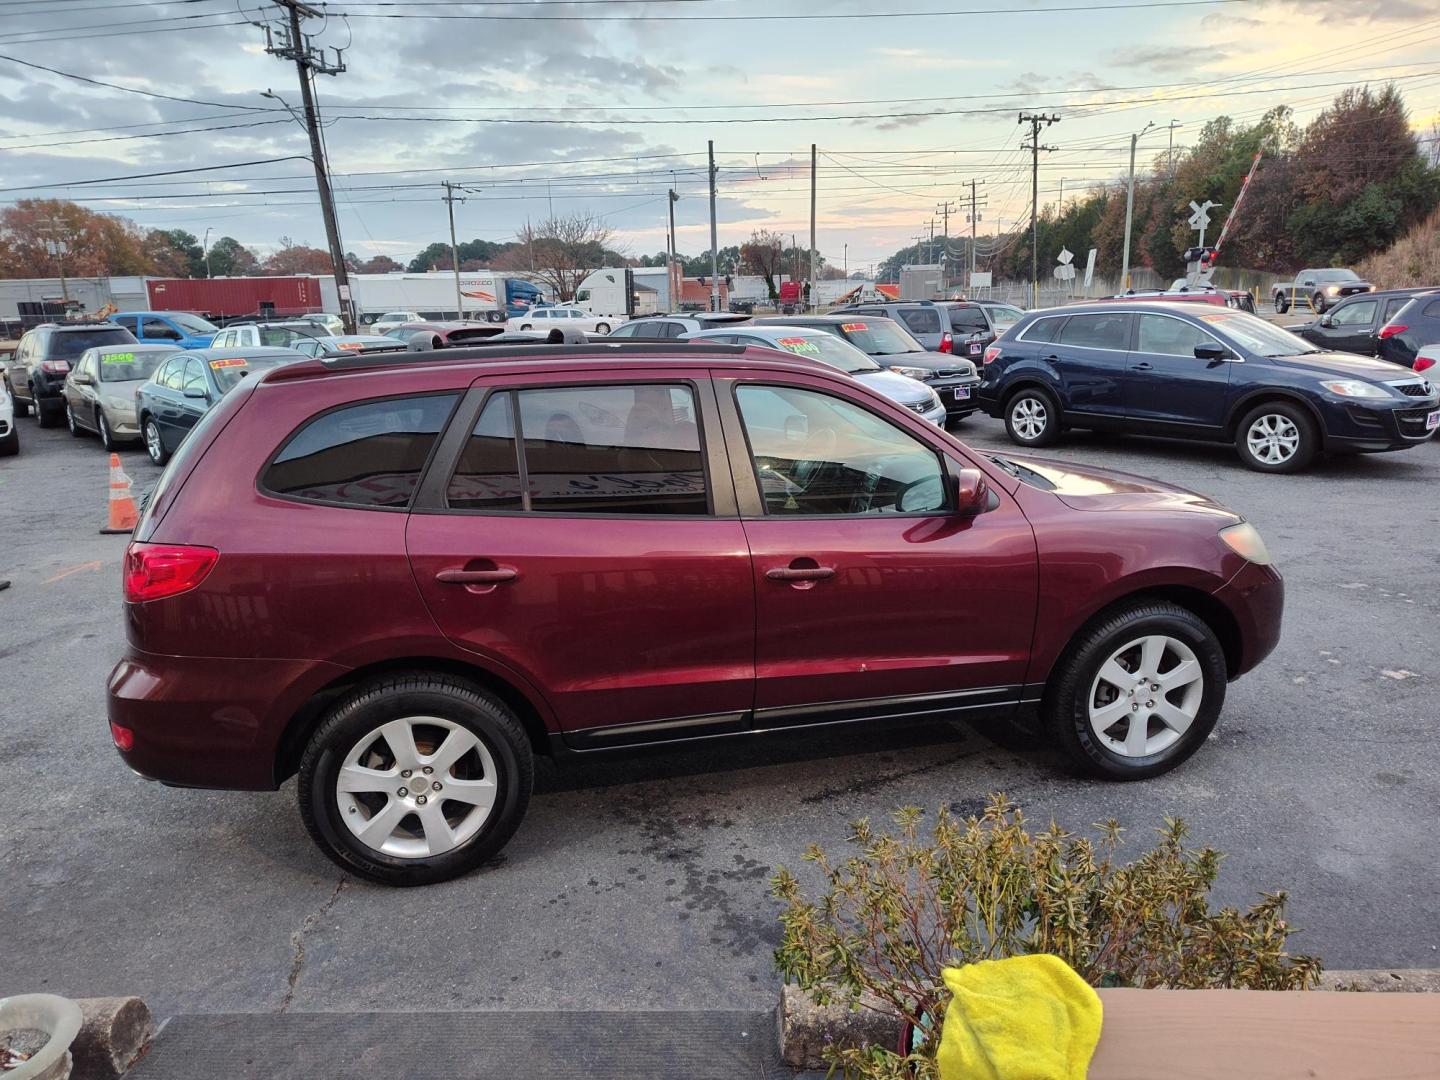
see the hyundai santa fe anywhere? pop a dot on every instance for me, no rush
(404, 580)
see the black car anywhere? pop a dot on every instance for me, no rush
(892, 346)
(1411, 329)
(183, 388)
(961, 327)
(1180, 371)
(43, 359)
(1355, 323)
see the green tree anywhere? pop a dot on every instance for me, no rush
(230, 258)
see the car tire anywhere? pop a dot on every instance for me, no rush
(1282, 305)
(10, 444)
(1318, 303)
(46, 418)
(526, 326)
(22, 408)
(1088, 716)
(498, 752)
(602, 328)
(70, 421)
(1277, 437)
(107, 438)
(1032, 417)
(154, 441)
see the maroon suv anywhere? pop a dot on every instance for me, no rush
(402, 579)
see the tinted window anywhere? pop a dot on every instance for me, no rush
(968, 321)
(277, 337)
(1042, 330)
(920, 320)
(674, 330)
(487, 476)
(1357, 314)
(192, 324)
(127, 321)
(121, 366)
(159, 328)
(1111, 331)
(613, 450)
(1170, 337)
(628, 330)
(817, 454)
(1432, 309)
(69, 344)
(1394, 304)
(363, 455)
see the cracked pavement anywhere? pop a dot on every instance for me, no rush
(640, 882)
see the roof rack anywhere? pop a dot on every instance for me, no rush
(595, 350)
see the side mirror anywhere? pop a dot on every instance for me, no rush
(1207, 351)
(81, 379)
(196, 392)
(1327, 320)
(969, 493)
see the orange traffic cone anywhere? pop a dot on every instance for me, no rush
(124, 515)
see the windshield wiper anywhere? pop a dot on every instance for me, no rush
(1006, 464)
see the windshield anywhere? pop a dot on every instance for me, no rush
(130, 366)
(879, 337)
(1335, 275)
(1257, 335)
(193, 324)
(68, 344)
(229, 370)
(828, 349)
(1004, 316)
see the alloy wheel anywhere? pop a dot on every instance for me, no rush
(1029, 417)
(70, 419)
(1145, 696)
(153, 444)
(104, 428)
(1273, 439)
(416, 787)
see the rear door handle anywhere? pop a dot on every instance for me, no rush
(800, 573)
(475, 577)
(1142, 366)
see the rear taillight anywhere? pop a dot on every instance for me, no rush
(990, 354)
(154, 571)
(1389, 330)
(947, 343)
(55, 367)
(1424, 363)
(123, 737)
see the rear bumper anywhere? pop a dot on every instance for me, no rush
(1255, 596)
(212, 722)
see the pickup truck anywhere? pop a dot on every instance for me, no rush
(1323, 288)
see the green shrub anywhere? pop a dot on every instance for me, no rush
(905, 905)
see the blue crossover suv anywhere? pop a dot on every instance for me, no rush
(1213, 374)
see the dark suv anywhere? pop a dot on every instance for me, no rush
(1191, 372)
(1411, 329)
(43, 359)
(1356, 323)
(404, 580)
(962, 327)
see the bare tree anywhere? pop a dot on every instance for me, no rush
(566, 249)
(763, 254)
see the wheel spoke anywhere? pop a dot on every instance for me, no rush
(438, 836)
(479, 793)
(1182, 674)
(400, 737)
(457, 744)
(1176, 718)
(1116, 675)
(1136, 737)
(356, 778)
(1107, 715)
(378, 829)
(1152, 651)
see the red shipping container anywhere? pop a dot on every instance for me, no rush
(219, 298)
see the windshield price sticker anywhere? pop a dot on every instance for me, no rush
(851, 327)
(237, 361)
(799, 345)
(117, 358)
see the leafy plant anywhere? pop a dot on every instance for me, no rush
(907, 904)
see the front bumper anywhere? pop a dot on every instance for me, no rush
(1355, 425)
(124, 425)
(946, 386)
(1255, 596)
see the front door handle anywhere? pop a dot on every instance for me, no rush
(800, 573)
(475, 577)
(1142, 366)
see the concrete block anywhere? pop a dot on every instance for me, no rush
(114, 1035)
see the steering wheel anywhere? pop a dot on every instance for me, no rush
(818, 452)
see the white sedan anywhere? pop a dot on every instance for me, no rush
(392, 319)
(544, 317)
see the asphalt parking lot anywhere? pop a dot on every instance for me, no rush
(641, 883)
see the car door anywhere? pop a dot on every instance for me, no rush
(1090, 357)
(192, 398)
(923, 323)
(868, 604)
(157, 331)
(82, 389)
(1168, 384)
(604, 563)
(1347, 327)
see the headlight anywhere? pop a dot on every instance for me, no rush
(125, 404)
(1332, 289)
(1353, 388)
(1244, 539)
(913, 372)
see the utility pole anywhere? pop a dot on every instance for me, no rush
(58, 249)
(1171, 153)
(974, 219)
(1130, 211)
(450, 199)
(944, 208)
(1036, 122)
(675, 289)
(714, 239)
(814, 258)
(205, 250)
(292, 44)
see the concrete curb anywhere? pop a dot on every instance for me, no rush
(807, 1028)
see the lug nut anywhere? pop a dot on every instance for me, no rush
(427, 770)
(1154, 687)
(1149, 704)
(437, 785)
(403, 792)
(405, 773)
(420, 799)
(1135, 707)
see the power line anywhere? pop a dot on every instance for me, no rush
(800, 17)
(127, 89)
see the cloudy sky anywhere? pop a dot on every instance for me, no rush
(601, 105)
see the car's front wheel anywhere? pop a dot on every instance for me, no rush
(1032, 418)
(1137, 692)
(1282, 305)
(1277, 437)
(602, 328)
(22, 408)
(46, 418)
(1318, 303)
(70, 421)
(107, 438)
(154, 442)
(415, 779)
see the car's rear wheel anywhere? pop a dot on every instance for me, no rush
(526, 326)
(154, 442)
(1282, 305)
(1277, 437)
(1137, 692)
(602, 328)
(415, 779)
(1032, 417)
(107, 438)
(1318, 303)
(47, 418)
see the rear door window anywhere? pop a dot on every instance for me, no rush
(368, 455)
(1106, 331)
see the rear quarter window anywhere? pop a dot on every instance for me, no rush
(1042, 330)
(367, 455)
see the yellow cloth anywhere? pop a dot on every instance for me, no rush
(1023, 1018)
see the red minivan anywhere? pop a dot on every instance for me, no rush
(403, 578)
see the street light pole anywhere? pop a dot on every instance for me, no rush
(1130, 211)
(205, 250)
